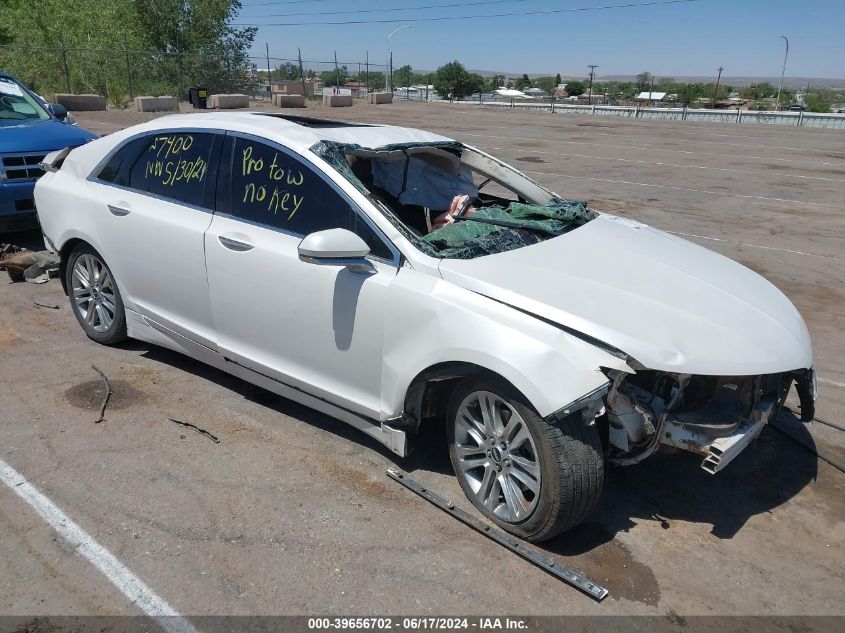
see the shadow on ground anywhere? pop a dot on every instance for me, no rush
(664, 488)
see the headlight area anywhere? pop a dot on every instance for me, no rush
(715, 416)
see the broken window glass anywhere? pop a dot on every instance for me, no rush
(414, 183)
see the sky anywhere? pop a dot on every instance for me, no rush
(668, 40)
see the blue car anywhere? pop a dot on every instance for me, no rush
(29, 129)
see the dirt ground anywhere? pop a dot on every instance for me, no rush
(291, 513)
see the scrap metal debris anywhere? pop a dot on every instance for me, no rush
(44, 304)
(107, 395)
(199, 430)
(545, 563)
(23, 265)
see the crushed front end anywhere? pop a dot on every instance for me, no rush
(715, 416)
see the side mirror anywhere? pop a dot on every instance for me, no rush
(336, 247)
(57, 110)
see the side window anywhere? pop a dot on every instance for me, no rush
(176, 165)
(118, 167)
(271, 187)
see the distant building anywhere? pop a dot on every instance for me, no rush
(650, 96)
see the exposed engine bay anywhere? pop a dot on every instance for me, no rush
(715, 416)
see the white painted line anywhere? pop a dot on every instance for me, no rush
(769, 248)
(833, 383)
(689, 189)
(118, 574)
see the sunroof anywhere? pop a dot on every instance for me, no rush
(308, 121)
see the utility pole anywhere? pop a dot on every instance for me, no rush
(783, 70)
(269, 73)
(716, 91)
(301, 72)
(592, 68)
(368, 72)
(391, 71)
(336, 73)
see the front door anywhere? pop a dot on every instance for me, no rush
(317, 328)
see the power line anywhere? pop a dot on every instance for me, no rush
(474, 17)
(417, 8)
(265, 4)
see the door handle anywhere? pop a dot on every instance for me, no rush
(235, 245)
(118, 209)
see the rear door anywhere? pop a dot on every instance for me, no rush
(317, 328)
(156, 196)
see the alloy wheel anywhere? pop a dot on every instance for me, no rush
(497, 456)
(93, 292)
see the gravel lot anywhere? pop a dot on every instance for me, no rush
(291, 512)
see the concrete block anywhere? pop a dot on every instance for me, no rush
(79, 103)
(337, 101)
(228, 102)
(288, 101)
(156, 104)
(380, 97)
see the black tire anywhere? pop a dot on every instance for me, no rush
(115, 332)
(569, 457)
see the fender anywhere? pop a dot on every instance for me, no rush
(550, 367)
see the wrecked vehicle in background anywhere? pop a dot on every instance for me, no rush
(302, 256)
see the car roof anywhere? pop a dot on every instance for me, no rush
(298, 132)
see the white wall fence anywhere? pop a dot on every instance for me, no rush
(804, 119)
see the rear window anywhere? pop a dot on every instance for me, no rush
(175, 165)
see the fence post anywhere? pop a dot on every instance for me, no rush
(637, 112)
(128, 68)
(739, 115)
(684, 114)
(800, 118)
(511, 103)
(553, 104)
(64, 64)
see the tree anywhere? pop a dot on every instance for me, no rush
(558, 80)
(403, 76)
(546, 83)
(452, 80)
(521, 83)
(335, 77)
(644, 81)
(575, 88)
(819, 101)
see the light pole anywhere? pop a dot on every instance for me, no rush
(388, 78)
(592, 68)
(783, 70)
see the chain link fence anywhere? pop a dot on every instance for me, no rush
(121, 74)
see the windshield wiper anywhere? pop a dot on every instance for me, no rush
(507, 224)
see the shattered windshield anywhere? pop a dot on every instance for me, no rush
(452, 201)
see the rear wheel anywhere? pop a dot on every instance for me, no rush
(94, 296)
(532, 478)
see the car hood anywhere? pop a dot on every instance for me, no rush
(670, 304)
(46, 135)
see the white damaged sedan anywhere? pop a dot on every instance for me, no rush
(388, 276)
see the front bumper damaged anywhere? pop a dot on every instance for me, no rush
(717, 417)
(721, 450)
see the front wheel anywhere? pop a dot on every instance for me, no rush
(94, 296)
(533, 478)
